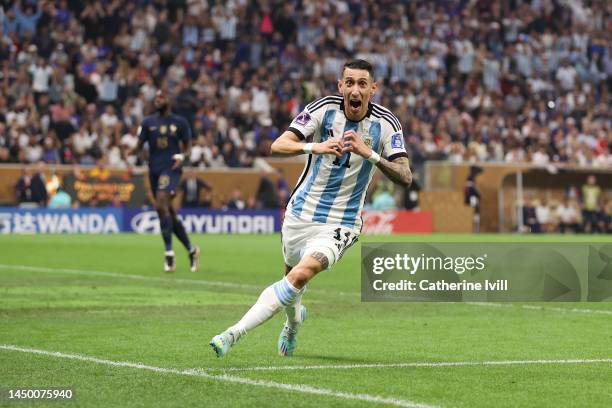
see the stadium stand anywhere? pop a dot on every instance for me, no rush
(511, 82)
(507, 81)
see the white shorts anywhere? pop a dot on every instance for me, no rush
(302, 238)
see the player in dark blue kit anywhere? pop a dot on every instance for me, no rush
(169, 140)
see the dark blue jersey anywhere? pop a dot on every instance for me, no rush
(163, 135)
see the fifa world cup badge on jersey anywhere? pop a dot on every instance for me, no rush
(163, 129)
(397, 141)
(368, 140)
(303, 118)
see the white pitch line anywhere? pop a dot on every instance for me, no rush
(203, 282)
(82, 272)
(299, 388)
(43, 269)
(565, 310)
(544, 308)
(416, 365)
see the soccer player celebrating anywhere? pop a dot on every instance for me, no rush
(345, 138)
(169, 140)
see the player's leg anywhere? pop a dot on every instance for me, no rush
(179, 230)
(329, 241)
(158, 183)
(162, 205)
(271, 300)
(294, 238)
(293, 311)
(296, 315)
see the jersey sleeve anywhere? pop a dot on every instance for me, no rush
(306, 123)
(393, 143)
(185, 131)
(143, 132)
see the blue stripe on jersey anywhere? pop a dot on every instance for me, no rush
(350, 213)
(333, 183)
(298, 204)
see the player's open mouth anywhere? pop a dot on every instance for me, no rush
(355, 105)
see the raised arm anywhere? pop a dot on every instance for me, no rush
(289, 144)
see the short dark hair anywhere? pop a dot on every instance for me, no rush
(359, 64)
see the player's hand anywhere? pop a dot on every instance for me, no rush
(330, 146)
(352, 143)
(178, 161)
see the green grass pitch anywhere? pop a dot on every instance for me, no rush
(127, 335)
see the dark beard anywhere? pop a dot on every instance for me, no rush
(162, 109)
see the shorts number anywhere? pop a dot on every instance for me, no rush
(164, 181)
(338, 237)
(344, 240)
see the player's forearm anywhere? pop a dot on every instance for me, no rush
(186, 149)
(286, 147)
(288, 144)
(397, 171)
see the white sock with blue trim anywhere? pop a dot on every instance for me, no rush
(294, 310)
(271, 300)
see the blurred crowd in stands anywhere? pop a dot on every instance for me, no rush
(470, 80)
(584, 210)
(581, 209)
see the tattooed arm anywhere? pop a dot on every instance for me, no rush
(398, 170)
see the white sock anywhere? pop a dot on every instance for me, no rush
(293, 311)
(271, 300)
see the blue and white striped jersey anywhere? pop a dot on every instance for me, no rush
(332, 190)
